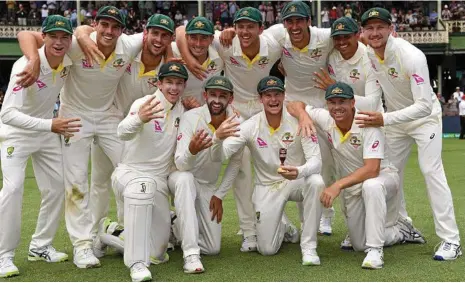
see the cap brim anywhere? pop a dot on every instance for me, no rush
(159, 26)
(110, 17)
(272, 88)
(346, 96)
(342, 32)
(295, 15)
(376, 18)
(247, 19)
(199, 31)
(57, 29)
(219, 87)
(173, 75)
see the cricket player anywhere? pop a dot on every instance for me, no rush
(140, 180)
(368, 183)
(199, 37)
(199, 164)
(287, 167)
(249, 59)
(413, 116)
(139, 79)
(89, 93)
(31, 131)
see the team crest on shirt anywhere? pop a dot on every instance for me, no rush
(152, 82)
(331, 70)
(354, 75)
(263, 62)
(212, 66)
(157, 127)
(64, 73)
(261, 143)
(355, 142)
(234, 61)
(393, 73)
(176, 122)
(118, 63)
(287, 138)
(287, 53)
(9, 151)
(128, 69)
(316, 54)
(86, 64)
(66, 140)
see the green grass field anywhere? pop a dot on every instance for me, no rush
(402, 263)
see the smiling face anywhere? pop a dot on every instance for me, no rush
(108, 32)
(217, 100)
(156, 40)
(199, 43)
(346, 44)
(298, 30)
(377, 33)
(341, 109)
(272, 101)
(57, 43)
(248, 32)
(172, 88)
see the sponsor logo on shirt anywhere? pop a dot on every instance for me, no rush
(375, 144)
(418, 79)
(67, 143)
(354, 75)
(373, 65)
(157, 127)
(331, 70)
(393, 73)
(287, 53)
(314, 138)
(17, 88)
(118, 63)
(179, 137)
(263, 62)
(40, 84)
(316, 54)
(261, 143)
(330, 138)
(355, 142)
(234, 61)
(128, 69)
(85, 64)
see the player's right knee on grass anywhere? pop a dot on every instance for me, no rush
(267, 249)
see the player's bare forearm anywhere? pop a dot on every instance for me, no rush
(296, 109)
(181, 42)
(29, 42)
(368, 171)
(83, 31)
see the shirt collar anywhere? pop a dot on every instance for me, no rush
(45, 66)
(141, 70)
(354, 129)
(284, 115)
(390, 48)
(119, 45)
(237, 50)
(357, 56)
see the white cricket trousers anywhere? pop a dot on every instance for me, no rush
(199, 234)
(160, 228)
(269, 203)
(102, 127)
(426, 133)
(244, 184)
(372, 209)
(45, 150)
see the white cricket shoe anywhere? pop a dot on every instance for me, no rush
(47, 254)
(8, 268)
(140, 273)
(192, 264)
(325, 226)
(85, 258)
(409, 233)
(346, 245)
(156, 260)
(98, 247)
(249, 244)
(310, 257)
(447, 251)
(292, 234)
(374, 258)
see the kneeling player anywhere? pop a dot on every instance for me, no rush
(199, 165)
(369, 183)
(287, 167)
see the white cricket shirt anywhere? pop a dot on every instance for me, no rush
(149, 147)
(25, 111)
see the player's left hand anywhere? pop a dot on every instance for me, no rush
(190, 102)
(216, 208)
(328, 195)
(227, 36)
(90, 49)
(176, 60)
(369, 119)
(322, 79)
(289, 172)
(30, 73)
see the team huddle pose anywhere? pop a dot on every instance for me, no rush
(158, 119)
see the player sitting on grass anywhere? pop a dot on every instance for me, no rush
(369, 183)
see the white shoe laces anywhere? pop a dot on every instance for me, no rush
(85, 253)
(193, 259)
(138, 267)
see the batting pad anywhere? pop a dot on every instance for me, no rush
(138, 206)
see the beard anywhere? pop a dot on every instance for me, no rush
(214, 111)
